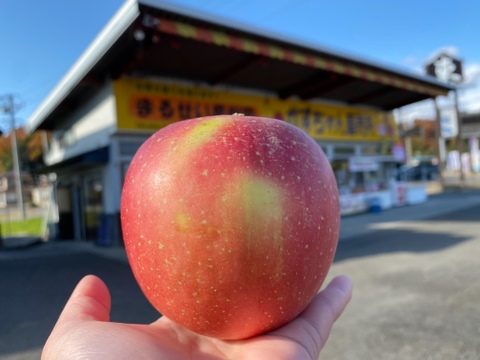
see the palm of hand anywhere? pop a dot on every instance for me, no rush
(84, 331)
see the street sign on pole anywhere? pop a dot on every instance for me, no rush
(448, 69)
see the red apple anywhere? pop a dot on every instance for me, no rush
(230, 223)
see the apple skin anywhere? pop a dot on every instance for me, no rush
(230, 223)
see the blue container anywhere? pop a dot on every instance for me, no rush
(105, 230)
(375, 205)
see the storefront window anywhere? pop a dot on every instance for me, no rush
(344, 150)
(93, 207)
(361, 175)
(370, 150)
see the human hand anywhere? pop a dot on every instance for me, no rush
(84, 331)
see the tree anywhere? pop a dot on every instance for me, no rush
(29, 148)
(6, 163)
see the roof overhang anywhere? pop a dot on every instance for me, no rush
(91, 158)
(154, 38)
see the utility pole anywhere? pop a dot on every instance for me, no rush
(459, 136)
(9, 107)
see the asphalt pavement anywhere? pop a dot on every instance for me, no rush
(415, 269)
(416, 276)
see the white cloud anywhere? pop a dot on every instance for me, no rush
(469, 99)
(471, 73)
(420, 110)
(450, 50)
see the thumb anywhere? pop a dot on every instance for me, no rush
(312, 327)
(89, 301)
(327, 307)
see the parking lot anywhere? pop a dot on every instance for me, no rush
(416, 289)
(415, 270)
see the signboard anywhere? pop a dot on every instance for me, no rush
(474, 153)
(361, 164)
(399, 152)
(448, 123)
(446, 68)
(143, 104)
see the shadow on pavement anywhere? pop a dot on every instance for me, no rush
(385, 241)
(469, 214)
(19, 242)
(390, 241)
(29, 312)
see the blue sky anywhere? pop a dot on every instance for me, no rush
(40, 40)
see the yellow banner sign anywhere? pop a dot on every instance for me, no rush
(143, 104)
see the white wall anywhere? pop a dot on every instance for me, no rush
(122, 149)
(87, 129)
(112, 177)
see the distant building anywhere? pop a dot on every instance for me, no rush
(36, 193)
(470, 125)
(8, 192)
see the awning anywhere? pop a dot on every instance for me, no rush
(86, 160)
(251, 46)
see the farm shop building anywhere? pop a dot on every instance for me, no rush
(157, 63)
